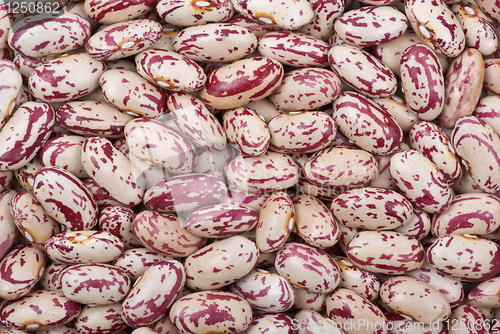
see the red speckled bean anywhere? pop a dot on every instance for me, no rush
(101, 160)
(83, 247)
(276, 221)
(8, 229)
(259, 77)
(145, 138)
(306, 89)
(366, 124)
(372, 208)
(109, 11)
(189, 13)
(20, 270)
(220, 263)
(216, 42)
(479, 147)
(131, 93)
(164, 233)
(246, 130)
(485, 294)
(487, 111)
(265, 291)
(471, 320)
(403, 294)
(268, 172)
(38, 310)
(153, 294)
(51, 278)
(221, 220)
(64, 152)
(346, 307)
(465, 257)
(134, 262)
(117, 220)
(436, 25)
(24, 134)
(170, 70)
(294, 49)
(196, 121)
(423, 81)
(420, 181)
(362, 71)
(95, 284)
(272, 323)
(66, 78)
(463, 85)
(371, 25)
(314, 222)
(32, 220)
(103, 319)
(284, 14)
(301, 133)
(49, 33)
(12, 83)
(307, 267)
(361, 281)
(211, 311)
(123, 39)
(386, 252)
(76, 212)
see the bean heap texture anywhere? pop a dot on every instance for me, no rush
(250, 166)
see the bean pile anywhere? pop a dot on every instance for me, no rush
(248, 166)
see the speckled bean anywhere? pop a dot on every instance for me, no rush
(83, 247)
(95, 284)
(307, 267)
(491, 80)
(49, 33)
(294, 49)
(170, 70)
(154, 293)
(101, 160)
(371, 25)
(325, 14)
(215, 42)
(470, 320)
(450, 288)
(259, 77)
(117, 220)
(12, 83)
(64, 152)
(211, 311)
(51, 278)
(465, 257)
(487, 111)
(273, 323)
(66, 78)
(268, 172)
(340, 166)
(436, 25)
(8, 229)
(353, 65)
(123, 39)
(284, 14)
(301, 133)
(372, 208)
(109, 11)
(163, 233)
(196, 122)
(145, 138)
(423, 81)
(314, 222)
(485, 294)
(38, 310)
(386, 252)
(355, 314)
(361, 281)
(100, 319)
(265, 291)
(50, 189)
(189, 13)
(24, 134)
(380, 133)
(32, 220)
(463, 86)
(20, 270)
(220, 263)
(135, 261)
(418, 226)
(420, 181)
(306, 89)
(479, 147)
(132, 94)
(275, 222)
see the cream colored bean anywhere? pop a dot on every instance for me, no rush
(403, 294)
(108, 12)
(487, 111)
(491, 79)
(100, 318)
(12, 83)
(361, 281)
(220, 263)
(398, 109)
(189, 13)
